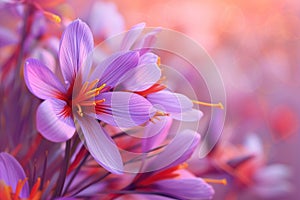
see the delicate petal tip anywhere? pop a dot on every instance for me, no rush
(41, 81)
(75, 48)
(191, 115)
(141, 77)
(186, 189)
(54, 122)
(117, 67)
(11, 172)
(177, 151)
(170, 102)
(132, 35)
(155, 134)
(101, 146)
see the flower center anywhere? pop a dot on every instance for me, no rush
(6, 192)
(86, 96)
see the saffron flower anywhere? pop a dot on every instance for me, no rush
(12, 178)
(79, 95)
(166, 175)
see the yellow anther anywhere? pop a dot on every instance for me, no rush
(79, 111)
(158, 62)
(218, 105)
(218, 181)
(53, 17)
(183, 165)
(160, 113)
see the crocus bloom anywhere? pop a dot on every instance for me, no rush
(164, 177)
(83, 96)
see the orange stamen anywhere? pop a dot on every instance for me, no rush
(35, 189)
(19, 188)
(158, 62)
(5, 191)
(52, 17)
(85, 95)
(218, 181)
(218, 105)
(157, 115)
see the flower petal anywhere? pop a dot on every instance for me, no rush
(148, 58)
(105, 28)
(118, 66)
(124, 109)
(11, 172)
(176, 152)
(188, 116)
(75, 46)
(141, 78)
(100, 145)
(170, 102)
(41, 81)
(7, 37)
(154, 134)
(148, 41)
(185, 189)
(131, 36)
(54, 122)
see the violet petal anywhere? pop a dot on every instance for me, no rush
(185, 189)
(11, 172)
(100, 145)
(131, 36)
(124, 109)
(41, 81)
(53, 122)
(170, 102)
(178, 151)
(75, 46)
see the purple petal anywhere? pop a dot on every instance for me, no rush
(118, 66)
(103, 65)
(131, 36)
(124, 109)
(188, 116)
(170, 102)
(76, 45)
(155, 134)
(105, 28)
(100, 145)
(54, 122)
(7, 37)
(148, 41)
(176, 152)
(148, 58)
(41, 81)
(141, 78)
(11, 172)
(185, 189)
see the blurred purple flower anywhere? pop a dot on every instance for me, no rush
(163, 176)
(12, 173)
(85, 96)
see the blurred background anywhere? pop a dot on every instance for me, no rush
(255, 46)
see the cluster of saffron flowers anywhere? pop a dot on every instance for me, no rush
(86, 108)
